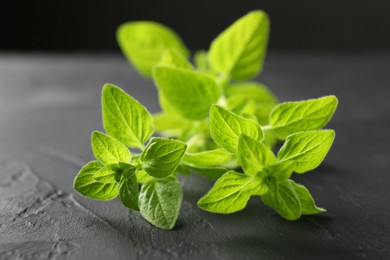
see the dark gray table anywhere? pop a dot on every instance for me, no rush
(49, 104)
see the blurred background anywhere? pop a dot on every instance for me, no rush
(300, 25)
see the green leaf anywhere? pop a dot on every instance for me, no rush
(108, 150)
(226, 128)
(128, 191)
(160, 201)
(162, 156)
(124, 118)
(189, 93)
(239, 51)
(175, 59)
(280, 171)
(291, 117)
(143, 43)
(283, 198)
(232, 192)
(87, 186)
(306, 149)
(253, 156)
(207, 158)
(106, 174)
(308, 205)
(171, 125)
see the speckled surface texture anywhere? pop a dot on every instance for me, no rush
(50, 104)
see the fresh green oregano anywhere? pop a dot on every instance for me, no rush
(216, 121)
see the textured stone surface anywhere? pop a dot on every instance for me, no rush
(49, 105)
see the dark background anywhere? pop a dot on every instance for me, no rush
(299, 25)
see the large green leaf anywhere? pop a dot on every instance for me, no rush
(291, 117)
(86, 185)
(108, 150)
(124, 118)
(239, 51)
(232, 192)
(144, 42)
(160, 201)
(226, 127)
(306, 149)
(162, 156)
(188, 93)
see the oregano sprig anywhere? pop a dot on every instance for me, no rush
(215, 121)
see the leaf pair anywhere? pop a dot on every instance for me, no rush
(239, 51)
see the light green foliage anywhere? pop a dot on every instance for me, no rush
(306, 149)
(253, 156)
(291, 117)
(207, 158)
(226, 128)
(251, 97)
(239, 51)
(232, 192)
(128, 191)
(175, 59)
(108, 150)
(124, 118)
(160, 201)
(144, 42)
(308, 205)
(106, 174)
(86, 185)
(170, 125)
(283, 198)
(220, 124)
(189, 93)
(162, 156)
(201, 61)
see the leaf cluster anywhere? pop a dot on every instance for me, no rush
(216, 121)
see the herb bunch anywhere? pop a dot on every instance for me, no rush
(215, 122)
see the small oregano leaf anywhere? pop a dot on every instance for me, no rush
(201, 60)
(239, 51)
(124, 118)
(283, 198)
(175, 59)
(232, 192)
(108, 150)
(160, 201)
(306, 149)
(226, 127)
(253, 156)
(128, 191)
(86, 185)
(162, 156)
(291, 117)
(207, 158)
(189, 93)
(308, 205)
(144, 42)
